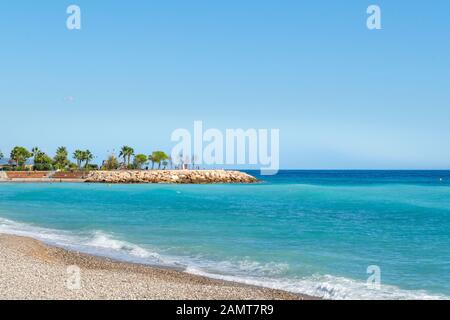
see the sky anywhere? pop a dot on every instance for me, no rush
(342, 96)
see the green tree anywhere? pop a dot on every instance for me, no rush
(42, 161)
(73, 166)
(35, 152)
(20, 155)
(92, 166)
(60, 160)
(1, 155)
(111, 163)
(126, 153)
(87, 157)
(140, 160)
(150, 158)
(158, 157)
(78, 155)
(165, 163)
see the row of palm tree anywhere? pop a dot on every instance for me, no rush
(126, 153)
(19, 156)
(157, 157)
(83, 158)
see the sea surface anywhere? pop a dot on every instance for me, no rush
(332, 234)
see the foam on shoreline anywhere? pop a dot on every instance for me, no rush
(33, 270)
(99, 243)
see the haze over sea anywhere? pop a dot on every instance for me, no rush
(312, 232)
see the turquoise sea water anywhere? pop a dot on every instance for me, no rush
(313, 232)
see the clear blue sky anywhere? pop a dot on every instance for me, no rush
(342, 96)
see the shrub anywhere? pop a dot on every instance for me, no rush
(111, 163)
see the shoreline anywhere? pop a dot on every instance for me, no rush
(31, 269)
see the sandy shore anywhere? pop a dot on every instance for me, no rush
(30, 269)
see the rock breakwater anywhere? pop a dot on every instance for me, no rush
(170, 176)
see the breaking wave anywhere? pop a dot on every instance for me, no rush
(270, 275)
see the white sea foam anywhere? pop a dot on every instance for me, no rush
(96, 242)
(270, 275)
(103, 240)
(327, 287)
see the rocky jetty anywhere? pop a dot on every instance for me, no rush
(170, 176)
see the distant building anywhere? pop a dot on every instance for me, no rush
(7, 164)
(4, 164)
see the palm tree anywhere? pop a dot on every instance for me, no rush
(87, 156)
(126, 153)
(130, 154)
(35, 152)
(123, 154)
(60, 159)
(79, 156)
(1, 155)
(61, 151)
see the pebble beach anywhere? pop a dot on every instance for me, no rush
(30, 269)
